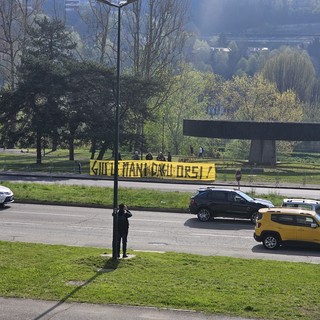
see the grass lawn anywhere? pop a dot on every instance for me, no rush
(250, 288)
(100, 196)
(298, 168)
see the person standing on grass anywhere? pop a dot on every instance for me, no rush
(149, 156)
(123, 228)
(201, 151)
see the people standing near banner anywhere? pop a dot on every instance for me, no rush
(136, 156)
(201, 150)
(191, 151)
(123, 229)
(161, 157)
(169, 158)
(149, 156)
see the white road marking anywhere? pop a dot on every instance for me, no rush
(49, 214)
(218, 235)
(21, 223)
(166, 221)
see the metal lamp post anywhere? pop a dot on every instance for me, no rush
(116, 139)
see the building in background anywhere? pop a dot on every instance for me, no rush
(71, 5)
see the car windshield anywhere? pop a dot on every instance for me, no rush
(317, 216)
(243, 195)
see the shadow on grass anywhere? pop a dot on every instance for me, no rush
(110, 265)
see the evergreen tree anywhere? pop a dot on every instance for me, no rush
(42, 78)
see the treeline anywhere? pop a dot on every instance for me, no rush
(215, 16)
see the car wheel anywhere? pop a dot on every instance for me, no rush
(204, 215)
(254, 217)
(271, 241)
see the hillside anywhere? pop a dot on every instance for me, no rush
(257, 16)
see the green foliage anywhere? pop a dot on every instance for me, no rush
(237, 149)
(98, 196)
(210, 284)
(191, 93)
(291, 69)
(257, 99)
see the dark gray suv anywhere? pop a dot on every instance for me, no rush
(210, 202)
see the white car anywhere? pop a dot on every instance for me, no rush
(6, 196)
(308, 204)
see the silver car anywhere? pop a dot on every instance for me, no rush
(308, 204)
(6, 196)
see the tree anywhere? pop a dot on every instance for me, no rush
(16, 17)
(87, 107)
(220, 63)
(257, 99)
(101, 42)
(312, 108)
(156, 36)
(201, 55)
(43, 77)
(152, 42)
(291, 69)
(189, 99)
(314, 52)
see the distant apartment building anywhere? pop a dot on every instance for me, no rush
(221, 49)
(252, 50)
(71, 5)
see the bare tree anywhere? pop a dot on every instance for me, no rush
(152, 34)
(15, 19)
(156, 35)
(98, 19)
(155, 42)
(152, 41)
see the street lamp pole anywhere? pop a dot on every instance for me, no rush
(116, 139)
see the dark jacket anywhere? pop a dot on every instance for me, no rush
(123, 222)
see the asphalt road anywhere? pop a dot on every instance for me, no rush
(149, 231)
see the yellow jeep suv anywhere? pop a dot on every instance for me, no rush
(275, 226)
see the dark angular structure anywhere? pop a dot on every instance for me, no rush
(262, 134)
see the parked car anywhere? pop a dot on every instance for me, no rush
(211, 202)
(308, 204)
(275, 226)
(6, 196)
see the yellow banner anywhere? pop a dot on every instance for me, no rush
(155, 169)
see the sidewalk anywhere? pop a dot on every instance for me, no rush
(26, 309)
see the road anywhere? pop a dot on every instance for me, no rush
(149, 231)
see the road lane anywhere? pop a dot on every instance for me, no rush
(149, 231)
